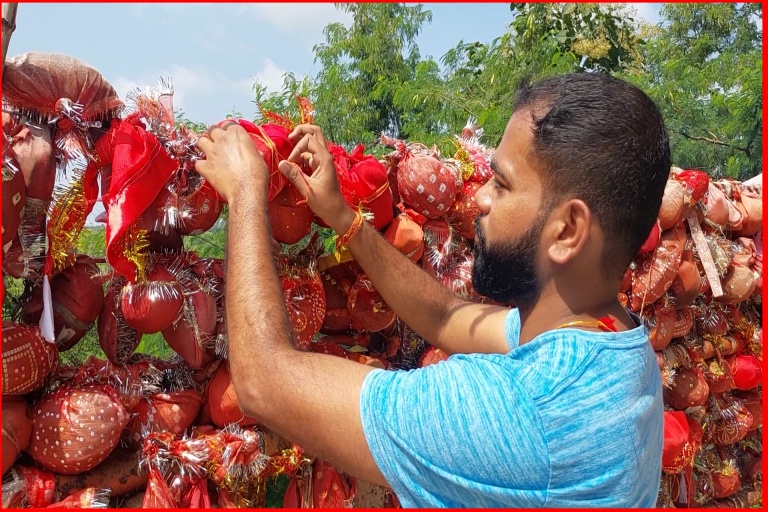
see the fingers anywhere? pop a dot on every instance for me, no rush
(310, 152)
(205, 143)
(307, 129)
(294, 174)
(213, 134)
(203, 166)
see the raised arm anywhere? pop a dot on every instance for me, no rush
(444, 320)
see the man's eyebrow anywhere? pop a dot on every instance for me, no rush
(496, 170)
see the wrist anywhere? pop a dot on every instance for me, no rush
(342, 221)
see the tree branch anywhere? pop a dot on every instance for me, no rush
(9, 25)
(715, 141)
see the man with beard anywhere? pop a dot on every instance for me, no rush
(555, 402)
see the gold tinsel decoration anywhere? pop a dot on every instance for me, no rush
(134, 243)
(462, 155)
(66, 218)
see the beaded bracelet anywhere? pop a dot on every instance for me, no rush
(351, 232)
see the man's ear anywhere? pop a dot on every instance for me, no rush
(570, 225)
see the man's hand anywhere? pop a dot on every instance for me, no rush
(321, 189)
(232, 162)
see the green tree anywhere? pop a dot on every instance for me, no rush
(705, 71)
(544, 39)
(362, 67)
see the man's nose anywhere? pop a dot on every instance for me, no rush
(483, 199)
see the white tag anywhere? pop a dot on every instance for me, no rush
(46, 320)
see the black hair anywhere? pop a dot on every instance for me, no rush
(601, 140)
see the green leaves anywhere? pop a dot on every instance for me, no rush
(705, 72)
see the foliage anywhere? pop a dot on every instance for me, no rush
(362, 66)
(705, 71)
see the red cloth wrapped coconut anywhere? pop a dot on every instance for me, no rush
(718, 375)
(164, 412)
(158, 494)
(289, 220)
(201, 210)
(725, 480)
(753, 402)
(116, 338)
(747, 371)
(337, 279)
(190, 334)
(222, 400)
(77, 298)
(729, 423)
(656, 270)
(17, 429)
(90, 497)
(330, 488)
(75, 429)
(679, 444)
(426, 185)
(305, 300)
(696, 181)
(368, 309)
(689, 389)
(368, 181)
(406, 234)
(653, 240)
(660, 322)
(36, 81)
(274, 145)
(152, 305)
(14, 199)
(751, 205)
(457, 275)
(363, 181)
(465, 210)
(27, 358)
(33, 149)
(674, 204)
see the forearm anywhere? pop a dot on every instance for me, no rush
(258, 328)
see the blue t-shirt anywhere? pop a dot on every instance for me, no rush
(571, 419)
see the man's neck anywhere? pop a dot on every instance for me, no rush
(551, 311)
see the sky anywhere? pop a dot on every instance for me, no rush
(213, 52)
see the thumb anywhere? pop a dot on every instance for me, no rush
(294, 174)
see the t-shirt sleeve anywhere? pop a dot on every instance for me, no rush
(460, 431)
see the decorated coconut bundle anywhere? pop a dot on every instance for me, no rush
(136, 430)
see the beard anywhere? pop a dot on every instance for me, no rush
(506, 272)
